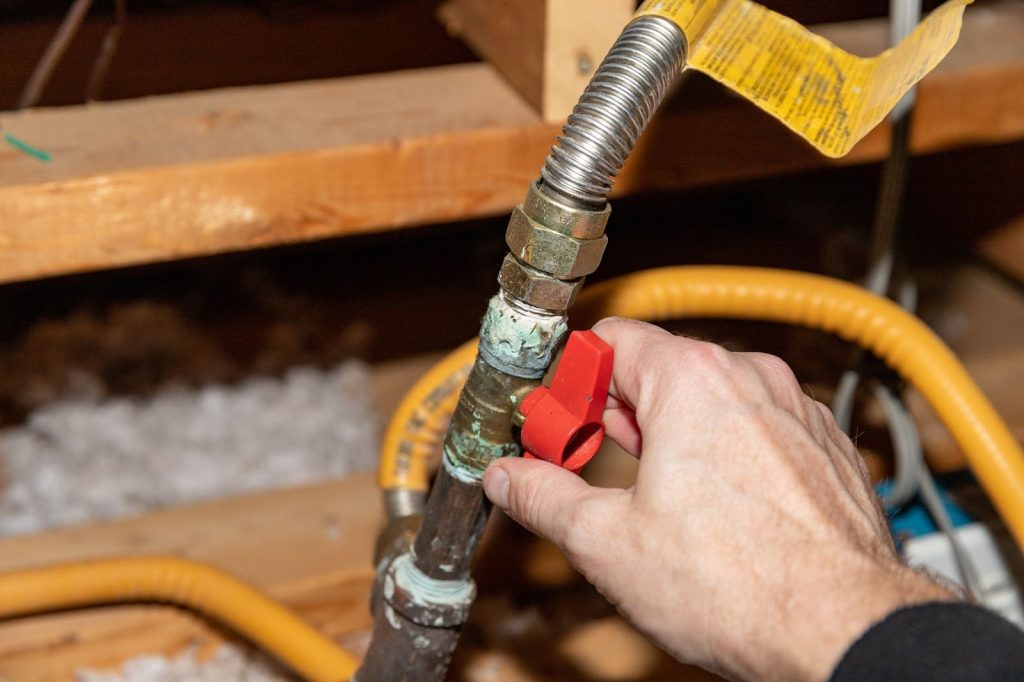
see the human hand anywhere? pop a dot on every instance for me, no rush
(752, 543)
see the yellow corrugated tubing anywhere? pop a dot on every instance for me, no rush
(182, 583)
(803, 299)
(419, 423)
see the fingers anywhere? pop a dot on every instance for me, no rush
(621, 426)
(632, 342)
(550, 501)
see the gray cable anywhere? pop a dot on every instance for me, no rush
(37, 82)
(909, 464)
(105, 57)
(904, 16)
(911, 475)
(907, 444)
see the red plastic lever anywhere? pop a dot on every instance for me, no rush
(562, 424)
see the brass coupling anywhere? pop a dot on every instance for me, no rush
(553, 247)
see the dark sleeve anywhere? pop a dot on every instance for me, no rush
(940, 641)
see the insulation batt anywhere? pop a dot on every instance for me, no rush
(76, 460)
(229, 664)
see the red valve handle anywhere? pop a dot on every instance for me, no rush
(563, 424)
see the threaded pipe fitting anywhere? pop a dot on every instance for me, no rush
(614, 109)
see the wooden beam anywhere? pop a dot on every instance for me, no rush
(577, 35)
(507, 33)
(242, 43)
(190, 175)
(1004, 248)
(309, 546)
(548, 49)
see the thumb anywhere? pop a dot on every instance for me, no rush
(547, 499)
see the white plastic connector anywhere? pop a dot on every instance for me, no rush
(1000, 591)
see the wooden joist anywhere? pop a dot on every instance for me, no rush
(189, 175)
(548, 49)
(1005, 248)
(311, 547)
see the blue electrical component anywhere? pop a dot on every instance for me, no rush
(913, 520)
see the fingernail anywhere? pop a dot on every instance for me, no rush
(496, 486)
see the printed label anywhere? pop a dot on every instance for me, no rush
(828, 96)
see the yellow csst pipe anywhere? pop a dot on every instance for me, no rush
(183, 583)
(418, 426)
(420, 421)
(813, 301)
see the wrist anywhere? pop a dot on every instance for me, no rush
(821, 619)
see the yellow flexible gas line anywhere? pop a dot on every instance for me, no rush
(418, 425)
(184, 583)
(849, 311)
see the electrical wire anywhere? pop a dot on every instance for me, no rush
(105, 57)
(909, 464)
(40, 77)
(911, 475)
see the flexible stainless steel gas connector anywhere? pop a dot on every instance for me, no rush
(615, 108)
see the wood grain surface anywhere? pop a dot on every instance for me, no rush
(189, 175)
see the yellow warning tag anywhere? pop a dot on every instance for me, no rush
(828, 96)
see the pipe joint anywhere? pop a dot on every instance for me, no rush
(425, 601)
(481, 426)
(560, 216)
(519, 339)
(554, 245)
(560, 255)
(533, 287)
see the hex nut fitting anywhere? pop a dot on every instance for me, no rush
(575, 222)
(535, 287)
(557, 254)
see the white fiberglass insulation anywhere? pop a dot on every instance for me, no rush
(81, 459)
(75, 461)
(228, 664)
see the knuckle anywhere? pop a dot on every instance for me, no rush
(654, 355)
(710, 359)
(777, 370)
(826, 414)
